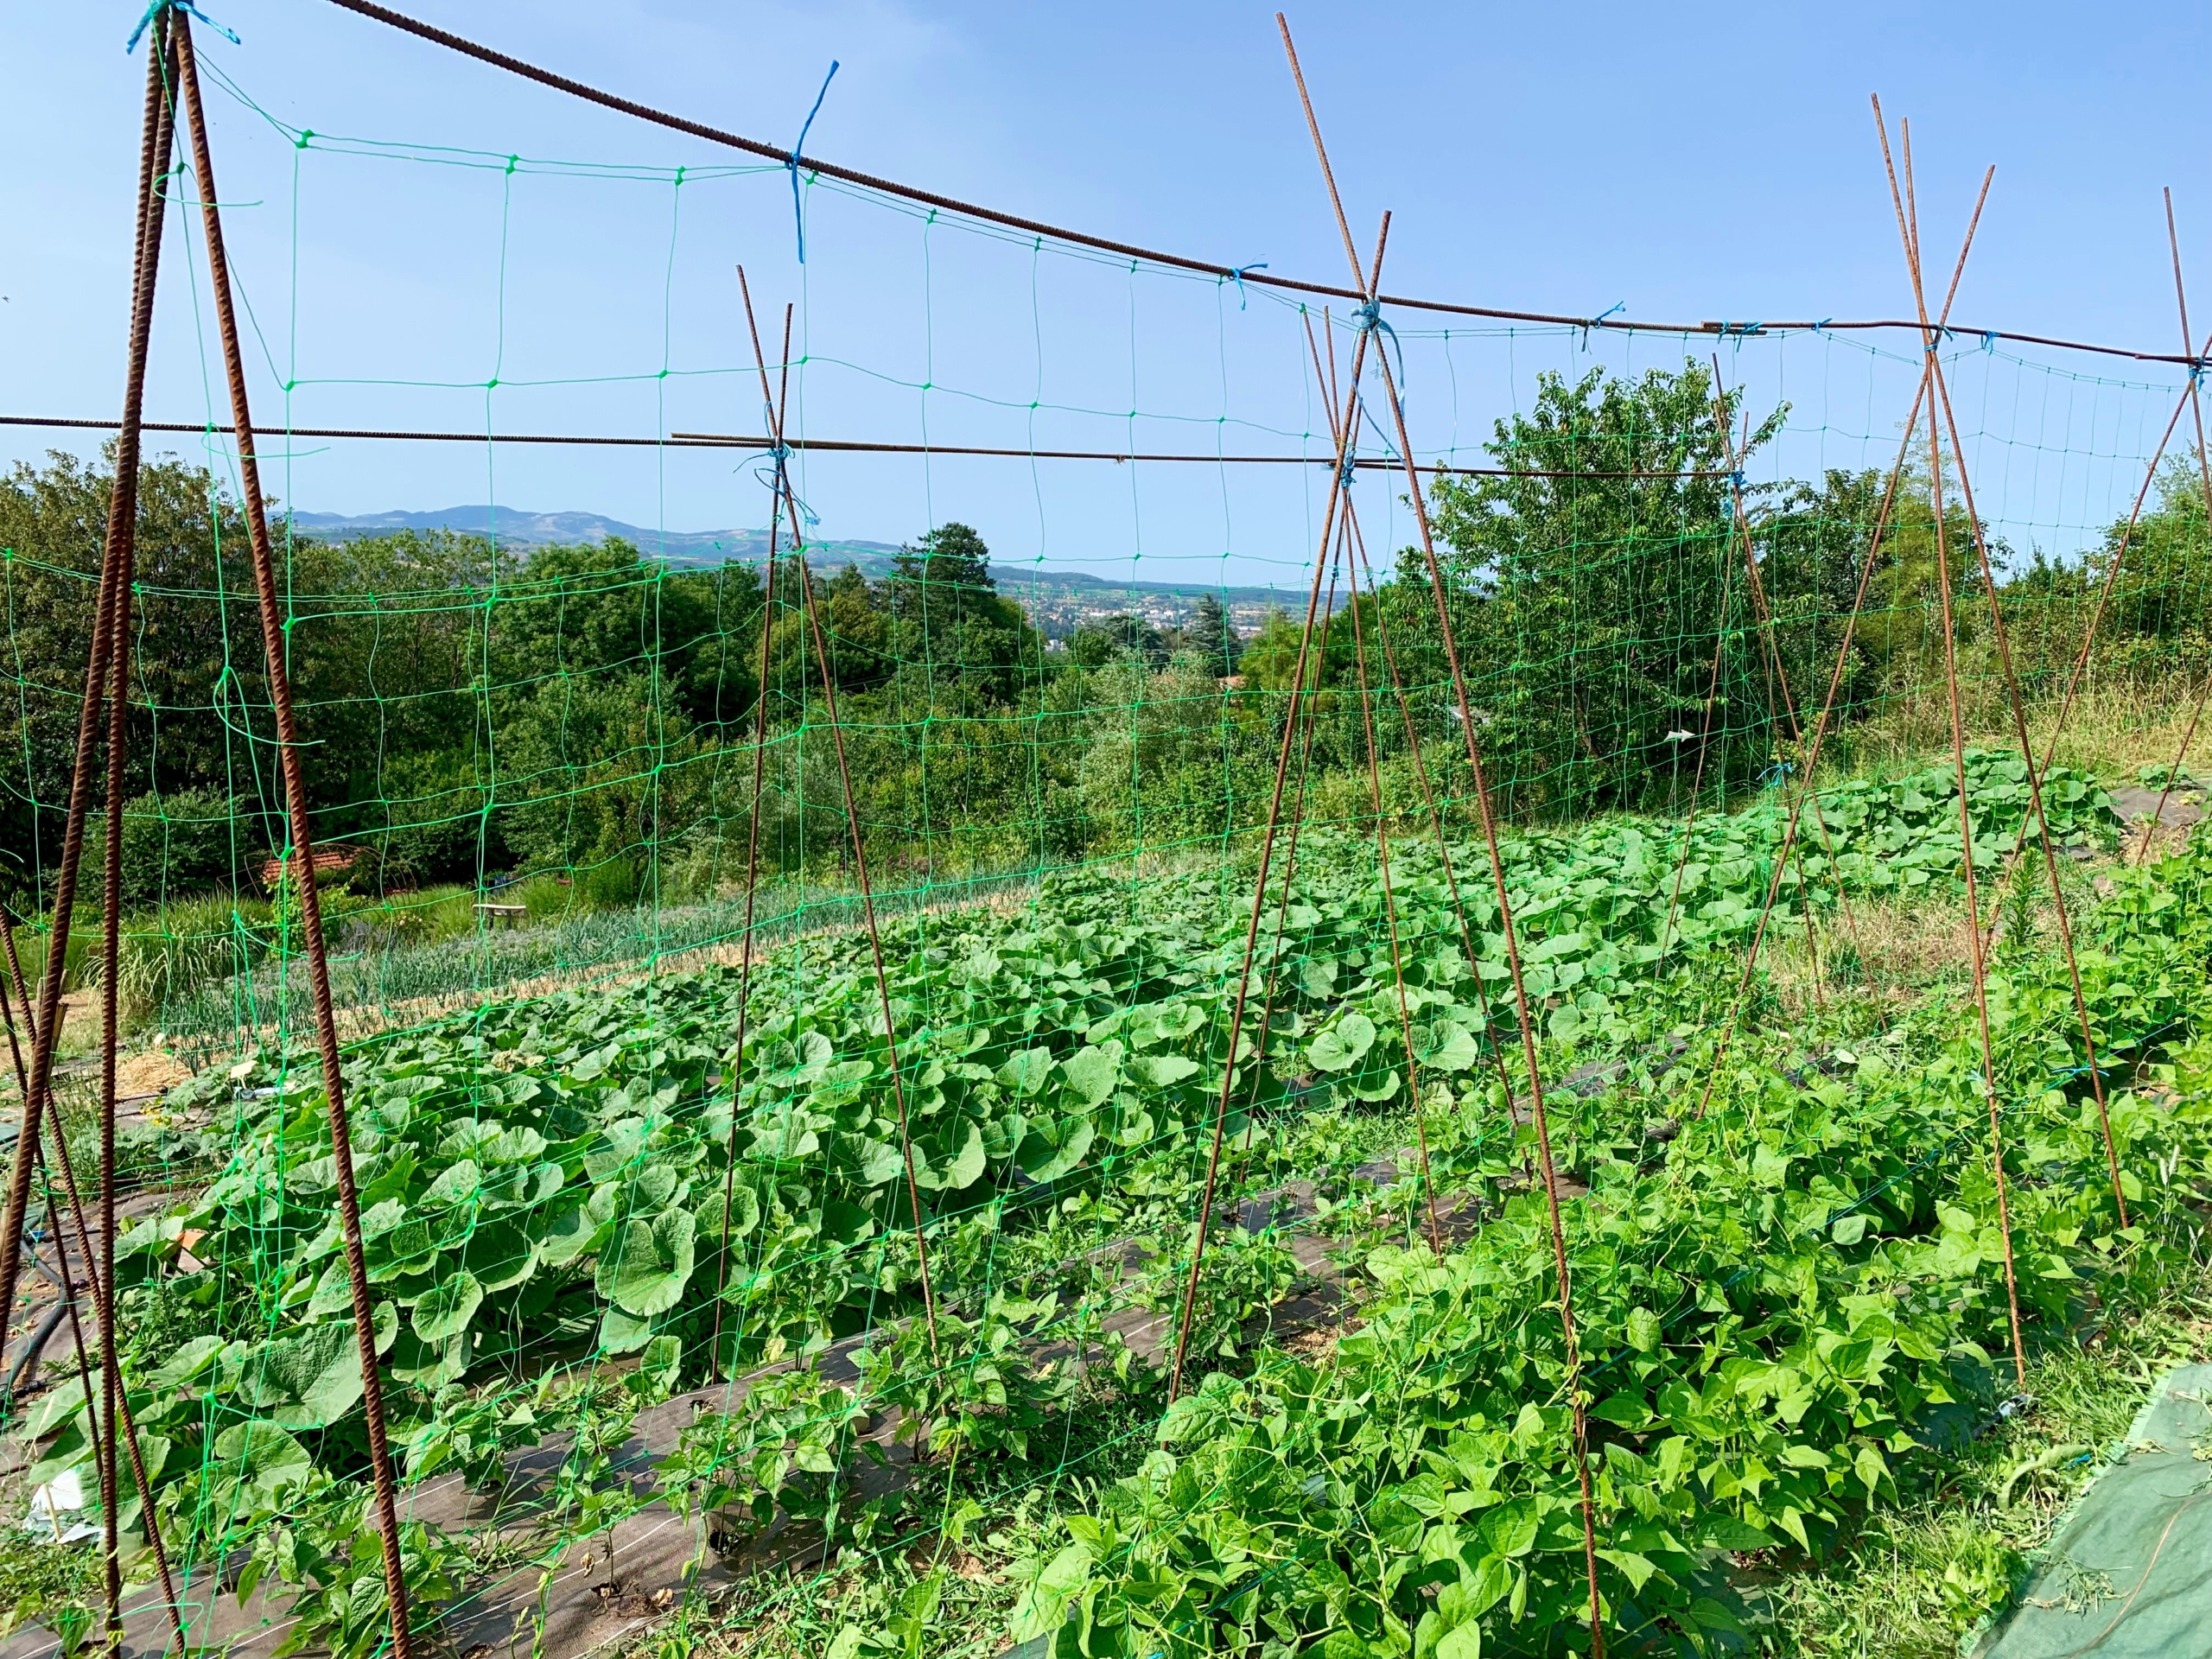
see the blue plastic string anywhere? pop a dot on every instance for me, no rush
(1237, 274)
(160, 6)
(1371, 320)
(798, 215)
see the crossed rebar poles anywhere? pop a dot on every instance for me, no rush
(173, 82)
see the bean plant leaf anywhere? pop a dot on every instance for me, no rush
(624, 1333)
(1511, 1529)
(455, 1185)
(879, 1161)
(428, 1365)
(307, 1380)
(1160, 1071)
(744, 1214)
(257, 1464)
(1042, 1608)
(1025, 1071)
(572, 1232)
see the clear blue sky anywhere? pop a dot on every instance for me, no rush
(1688, 162)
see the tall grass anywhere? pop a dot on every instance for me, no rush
(2116, 726)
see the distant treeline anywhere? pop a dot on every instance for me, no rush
(585, 711)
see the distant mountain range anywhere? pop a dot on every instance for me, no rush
(527, 529)
(1062, 598)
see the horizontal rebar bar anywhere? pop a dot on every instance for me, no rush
(847, 445)
(1180, 262)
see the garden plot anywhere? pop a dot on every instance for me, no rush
(546, 1184)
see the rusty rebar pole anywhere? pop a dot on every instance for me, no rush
(788, 501)
(121, 533)
(1390, 898)
(1421, 765)
(1497, 870)
(1908, 227)
(275, 645)
(2038, 815)
(1836, 677)
(1338, 492)
(752, 849)
(2204, 476)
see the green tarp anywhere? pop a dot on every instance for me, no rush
(2129, 1574)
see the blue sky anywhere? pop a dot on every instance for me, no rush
(1694, 163)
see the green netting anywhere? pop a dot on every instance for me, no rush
(657, 1299)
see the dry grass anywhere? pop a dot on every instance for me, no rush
(2115, 727)
(1886, 953)
(149, 1073)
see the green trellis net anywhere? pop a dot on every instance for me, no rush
(589, 1215)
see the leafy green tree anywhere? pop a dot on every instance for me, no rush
(2154, 621)
(1269, 659)
(1097, 643)
(961, 644)
(857, 626)
(603, 606)
(1211, 633)
(603, 769)
(185, 844)
(199, 704)
(1602, 563)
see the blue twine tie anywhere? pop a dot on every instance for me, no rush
(1775, 775)
(1618, 305)
(798, 215)
(1371, 320)
(1382, 437)
(775, 473)
(160, 6)
(1989, 340)
(1237, 276)
(1736, 482)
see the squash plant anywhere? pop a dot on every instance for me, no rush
(554, 1178)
